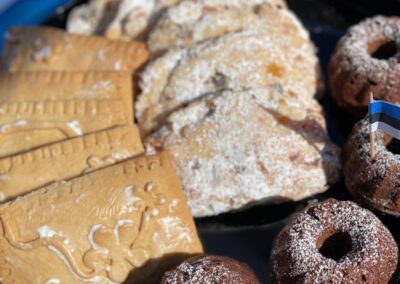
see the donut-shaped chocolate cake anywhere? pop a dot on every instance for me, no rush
(374, 183)
(210, 269)
(366, 60)
(334, 242)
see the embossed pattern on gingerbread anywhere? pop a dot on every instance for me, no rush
(128, 220)
(26, 172)
(28, 124)
(193, 21)
(64, 105)
(238, 149)
(61, 85)
(276, 55)
(49, 49)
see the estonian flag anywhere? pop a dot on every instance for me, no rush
(385, 116)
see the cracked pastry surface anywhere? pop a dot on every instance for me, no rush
(117, 19)
(236, 149)
(193, 21)
(276, 54)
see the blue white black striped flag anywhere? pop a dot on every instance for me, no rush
(386, 117)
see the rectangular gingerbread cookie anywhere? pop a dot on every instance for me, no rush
(130, 220)
(29, 124)
(31, 48)
(61, 85)
(25, 172)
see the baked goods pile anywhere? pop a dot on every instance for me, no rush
(338, 241)
(80, 201)
(229, 93)
(236, 110)
(224, 96)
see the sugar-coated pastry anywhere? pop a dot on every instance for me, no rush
(117, 19)
(334, 242)
(367, 60)
(210, 269)
(128, 222)
(233, 150)
(193, 21)
(277, 54)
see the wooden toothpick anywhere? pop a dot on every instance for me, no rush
(371, 133)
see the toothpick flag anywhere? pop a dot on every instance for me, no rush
(386, 117)
(383, 116)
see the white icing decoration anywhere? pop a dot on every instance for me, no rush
(119, 224)
(93, 244)
(53, 281)
(19, 122)
(154, 212)
(75, 127)
(117, 65)
(43, 53)
(45, 233)
(172, 205)
(132, 199)
(96, 279)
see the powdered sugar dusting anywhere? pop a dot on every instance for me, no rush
(247, 140)
(374, 183)
(194, 21)
(210, 270)
(373, 254)
(354, 71)
(266, 56)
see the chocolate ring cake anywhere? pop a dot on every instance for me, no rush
(334, 242)
(210, 269)
(366, 60)
(374, 183)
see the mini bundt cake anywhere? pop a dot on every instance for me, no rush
(210, 269)
(372, 182)
(367, 60)
(334, 242)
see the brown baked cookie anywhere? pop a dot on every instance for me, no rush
(334, 242)
(43, 48)
(367, 60)
(210, 269)
(193, 21)
(277, 55)
(374, 183)
(236, 149)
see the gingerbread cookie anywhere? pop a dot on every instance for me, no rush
(129, 222)
(50, 49)
(60, 85)
(193, 21)
(25, 172)
(236, 149)
(276, 55)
